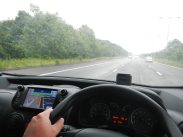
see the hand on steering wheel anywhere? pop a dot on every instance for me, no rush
(40, 126)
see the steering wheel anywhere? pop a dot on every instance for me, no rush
(170, 127)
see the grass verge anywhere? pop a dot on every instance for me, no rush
(178, 64)
(34, 62)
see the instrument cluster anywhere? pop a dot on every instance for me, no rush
(117, 114)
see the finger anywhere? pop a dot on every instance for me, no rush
(58, 125)
(47, 112)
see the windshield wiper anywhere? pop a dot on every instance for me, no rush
(13, 74)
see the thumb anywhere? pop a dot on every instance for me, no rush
(58, 125)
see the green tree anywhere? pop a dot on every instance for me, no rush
(44, 35)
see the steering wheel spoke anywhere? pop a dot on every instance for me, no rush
(91, 132)
(68, 131)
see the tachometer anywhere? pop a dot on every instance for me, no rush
(142, 120)
(99, 113)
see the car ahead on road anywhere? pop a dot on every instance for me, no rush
(149, 59)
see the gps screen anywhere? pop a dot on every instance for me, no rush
(40, 98)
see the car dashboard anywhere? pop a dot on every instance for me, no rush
(106, 112)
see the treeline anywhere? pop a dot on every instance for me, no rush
(173, 52)
(44, 35)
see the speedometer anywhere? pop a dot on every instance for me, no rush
(99, 113)
(142, 120)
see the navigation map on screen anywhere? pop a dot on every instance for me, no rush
(40, 98)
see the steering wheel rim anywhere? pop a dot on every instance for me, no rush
(170, 128)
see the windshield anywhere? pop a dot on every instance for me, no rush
(95, 39)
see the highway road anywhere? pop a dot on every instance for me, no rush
(142, 72)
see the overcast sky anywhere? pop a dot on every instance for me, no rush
(139, 26)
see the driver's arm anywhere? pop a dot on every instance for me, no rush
(40, 126)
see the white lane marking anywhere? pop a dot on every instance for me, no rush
(115, 70)
(160, 74)
(169, 66)
(72, 69)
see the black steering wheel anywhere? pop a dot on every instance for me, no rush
(169, 125)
